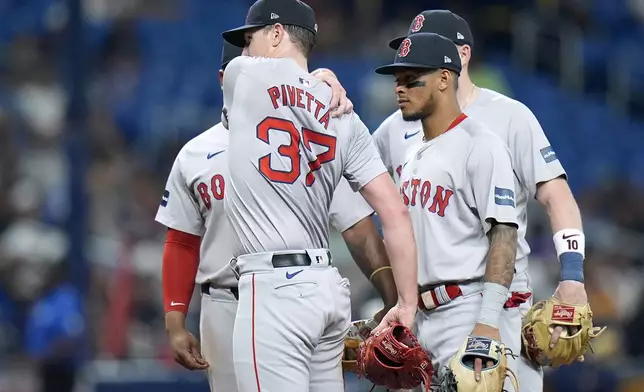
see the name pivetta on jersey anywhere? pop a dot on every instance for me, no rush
(287, 155)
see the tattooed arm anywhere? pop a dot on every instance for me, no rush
(368, 251)
(502, 254)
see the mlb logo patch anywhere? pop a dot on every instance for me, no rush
(548, 154)
(563, 313)
(165, 198)
(478, 345)
(503, 196)
(305, 82)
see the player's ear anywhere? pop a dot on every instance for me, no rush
(278, 34)
(465, 52)
(221, 78)
(444, 79)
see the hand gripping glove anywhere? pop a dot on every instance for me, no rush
(541, 320)
(393, 358)
(459, 376)
(358, 332)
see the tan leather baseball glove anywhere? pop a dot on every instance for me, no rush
(541, 320)
(358, 332)
(459, 377)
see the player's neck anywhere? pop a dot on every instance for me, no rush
(439, 122)
(466, 92)
(296, 56)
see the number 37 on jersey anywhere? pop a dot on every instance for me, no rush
(291, 150)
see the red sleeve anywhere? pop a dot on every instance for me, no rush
(180, 263)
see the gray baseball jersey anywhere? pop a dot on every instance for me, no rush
(454, 185)
(533, 159)
(287, 155)
(193, 203)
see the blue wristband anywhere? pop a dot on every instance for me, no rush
(572, 266)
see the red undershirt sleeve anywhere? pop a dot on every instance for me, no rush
(180, 263)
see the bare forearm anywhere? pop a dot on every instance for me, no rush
(502, 254)
(382, 195)
(401, 249)
(370, 254)
(499, 272)
(557, 199)
(565, 220)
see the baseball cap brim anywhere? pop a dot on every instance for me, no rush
(395, 43)
(237, 37)
(390, 69)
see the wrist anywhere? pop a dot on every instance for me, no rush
(174, 321)
(494, 298)
(404, 302)
(570, 245)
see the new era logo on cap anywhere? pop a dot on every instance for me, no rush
(459, 36)
(447, 60)
(268, 12)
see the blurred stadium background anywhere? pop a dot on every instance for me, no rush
(97, 97)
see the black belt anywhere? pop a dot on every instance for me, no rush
(205, 289)
(291, 260)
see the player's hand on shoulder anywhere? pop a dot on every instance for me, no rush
(485, 331)
(568, 292)
(185, 349)
(340, 103)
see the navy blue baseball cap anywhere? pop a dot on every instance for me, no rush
(442, 22)
(424, 50)
(229, 52)
(269, 12)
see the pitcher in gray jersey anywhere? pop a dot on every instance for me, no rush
(193, 204)
(286, 157)
(538, 174)
(459, 187)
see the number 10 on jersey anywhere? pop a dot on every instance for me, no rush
(292, 150)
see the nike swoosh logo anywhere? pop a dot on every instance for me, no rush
(407, 135)
(290, 276)
(215, 153)
(565, 237)
(177, 304)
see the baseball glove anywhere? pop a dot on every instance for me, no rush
(541, 320)
(459, 376)
(358, 332)
(393, 358)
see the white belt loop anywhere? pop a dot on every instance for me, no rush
(320, 258)
(232, 264)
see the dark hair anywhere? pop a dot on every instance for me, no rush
(301, 37)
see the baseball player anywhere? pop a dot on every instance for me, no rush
(286, 156)
(459, 187)
(538, 174)
(198, 248)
